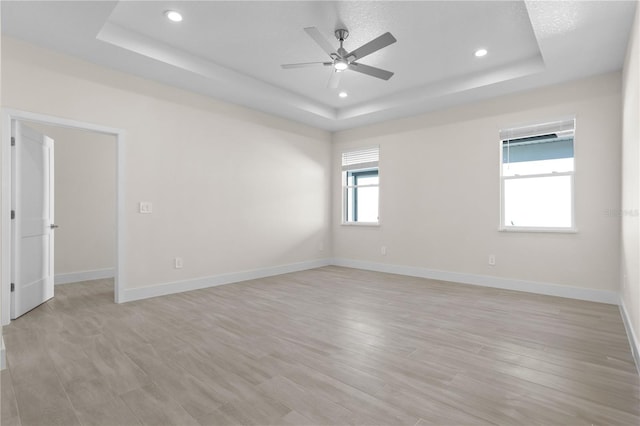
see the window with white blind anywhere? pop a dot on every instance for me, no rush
(537, 177)
(360, 186)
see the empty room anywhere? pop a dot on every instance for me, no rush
(320, 212)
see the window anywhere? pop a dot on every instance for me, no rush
(537, 177)
(360, 184)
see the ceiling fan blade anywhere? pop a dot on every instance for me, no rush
(373, 46)
(372, 71)
(320, 40)
(306, 64)
(334, 80)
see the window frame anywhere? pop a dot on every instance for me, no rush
(502, 227)
(368, 169)
(354, 206)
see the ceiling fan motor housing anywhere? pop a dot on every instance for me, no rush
(341, 34)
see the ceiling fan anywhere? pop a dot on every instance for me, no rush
(341, 60)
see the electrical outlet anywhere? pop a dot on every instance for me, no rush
(145, 207)
(492, 259)
(383, 250)
(321, 247)
(178, 263)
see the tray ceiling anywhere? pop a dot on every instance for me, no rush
(232, 50)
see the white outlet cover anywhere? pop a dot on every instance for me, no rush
(146, 207)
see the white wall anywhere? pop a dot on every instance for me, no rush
(236, 190)
(439, 191)
(232, 189)
(630, 283)
(85, 201)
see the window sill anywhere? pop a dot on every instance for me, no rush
(540, 230)
(365, 224)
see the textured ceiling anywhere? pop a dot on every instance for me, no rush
(233, 50)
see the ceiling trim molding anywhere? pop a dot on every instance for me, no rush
(448, 87)
(251, 88)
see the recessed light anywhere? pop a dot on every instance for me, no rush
(343, 94)
(172, 15)
(480, 53)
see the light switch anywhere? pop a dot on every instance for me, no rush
(145, 207)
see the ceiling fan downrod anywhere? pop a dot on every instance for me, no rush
(341, 35)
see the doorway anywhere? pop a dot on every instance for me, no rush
(9, 119)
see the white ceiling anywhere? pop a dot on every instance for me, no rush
(232, 50)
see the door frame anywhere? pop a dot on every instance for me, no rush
(8, 116)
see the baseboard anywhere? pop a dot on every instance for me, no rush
(74, 277)
(129, 295)
(3, 356)
(634, 343)
(592, 295)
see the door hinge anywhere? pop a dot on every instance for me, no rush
(13, 287)
(13, 141)
(13, 214)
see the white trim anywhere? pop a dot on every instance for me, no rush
(8, 115)
(592, 295)
(3, 354)
(164, 289)
(537, 175)
(538, 229)
(634, 343)
(5, 225)
(74, 277)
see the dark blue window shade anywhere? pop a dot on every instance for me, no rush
(547, 147)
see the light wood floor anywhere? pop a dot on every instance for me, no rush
(326, 347)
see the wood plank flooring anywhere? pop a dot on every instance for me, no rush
(329, 346)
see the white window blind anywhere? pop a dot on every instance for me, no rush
(361, 159)
(559, 127)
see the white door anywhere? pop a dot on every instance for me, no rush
(32, 230)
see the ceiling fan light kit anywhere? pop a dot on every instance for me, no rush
(173, 15)
(342, 60)
(341, 65)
